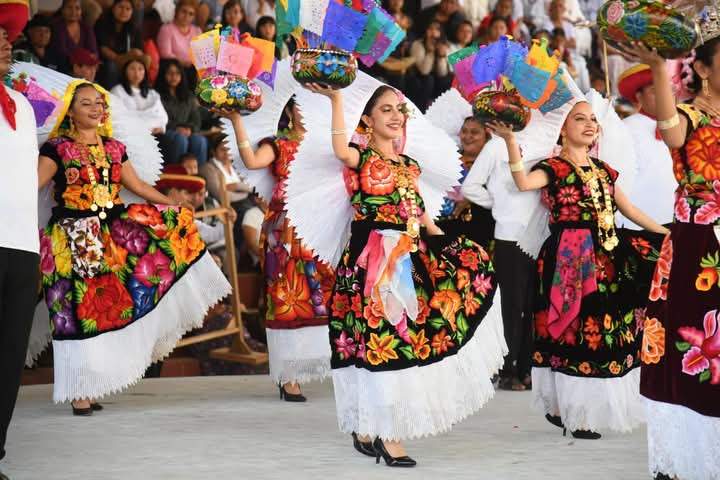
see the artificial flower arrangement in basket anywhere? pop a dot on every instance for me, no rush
(227, 64)
(332, 35)
(504, 80)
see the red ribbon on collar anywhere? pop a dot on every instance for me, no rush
(8, 106)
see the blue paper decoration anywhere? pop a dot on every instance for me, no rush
(343, 26)
(560, 96)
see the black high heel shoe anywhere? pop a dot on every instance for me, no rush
(583, 434)
(366, 448)
(82, 412)
(390, 461)
(96, 407)
(291, 397)
(662, 476)
(555, 420)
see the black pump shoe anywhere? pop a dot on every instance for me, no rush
(82, 412)
(366, 448)
(291, 397)
(583, 434)
(96, 407)
(662, 476)
(390, 461)
(555, 420)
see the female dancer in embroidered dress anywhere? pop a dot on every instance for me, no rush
(106, 268)
(297, 284)
(586, 345)
(681, 343)
(408, 359)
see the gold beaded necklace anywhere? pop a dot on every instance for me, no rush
(102, 194)
(599, 187)
(406, 189)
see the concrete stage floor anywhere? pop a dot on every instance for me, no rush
(237, 428)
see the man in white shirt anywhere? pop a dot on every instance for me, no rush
(653, 191)
(490, 182)
(19, 239)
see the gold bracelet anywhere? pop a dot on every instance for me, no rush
(244, 144)
(516, 166)
(341, 131)
(671, 122)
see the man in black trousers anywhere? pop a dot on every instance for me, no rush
(19, 240)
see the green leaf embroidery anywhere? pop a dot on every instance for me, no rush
(336, 325)
(437, 323)
(682, 346)
(88, 325)
(127, 313)
(705, 376)
(378, 200)
(407, 351)
(349, 320)
(79, 289)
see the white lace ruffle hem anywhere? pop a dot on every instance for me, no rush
(420, 401)
(112, 361)
(595, 404)
(299, 355)
(682, 443)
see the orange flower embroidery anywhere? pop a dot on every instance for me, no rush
(653, 344)
(376, 177)
(115, 255)
(420, 345)
(186, 243)
(448, 302)
(380, 350)
(614, 367)
(373, 313)
(703, 153)
(585, 368)
(78, 197)
(592, 333)
(291, 295)
(706, 279)
(441, 342)
(462, 279)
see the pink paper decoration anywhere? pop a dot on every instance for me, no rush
(235, 58)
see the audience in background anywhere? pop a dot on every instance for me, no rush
(84, 64)
(69, 33)
(137, 96)
(116, 35)
(234, 16)
(182, 132)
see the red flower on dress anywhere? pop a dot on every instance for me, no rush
(704, 352)
(340, 305)
(560, 167)
(423, 311)
(569, 213)
(709, 212)
(356, 305)
(469, 259)
(568, 195)
(106, 302)
(71, 175)
(592, 333)
(376, 177)
(659, 285)
(373, 313)
(115, 149)
(541, 326)
(441, 342)
(352, 181)
(144, 214)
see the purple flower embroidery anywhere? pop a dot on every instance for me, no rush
(130, 236)
(346, 347)
(60, 307)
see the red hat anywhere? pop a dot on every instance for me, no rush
(14, 15)
(83, 56)
(175, 176)
(634, 79)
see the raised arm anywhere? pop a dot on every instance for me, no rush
(349, 156)
(524, 181)
(673, 127)
(263, 157)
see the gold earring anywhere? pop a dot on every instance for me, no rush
(706, 87)
(369, 130)
(72, 127)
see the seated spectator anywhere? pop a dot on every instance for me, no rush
(252, 228)
(220, 169)
(69, 33)
(396, 9)
(462, 37)
(557, 19)
(35, 48)
(137, 96)
(267, 30)
(447, 13)
(174, 38)
(150, 28)
(498, 27)
(190, 163)
(504, 10)
(431, 64)
(116, 35)
(181, 132)
(84, 64)
(559, 43)
(256, 9)
(233, 16)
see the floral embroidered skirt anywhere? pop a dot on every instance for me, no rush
(121, 292)
(681, 355)
(588, 326)
(415, 355)
(298, 288)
